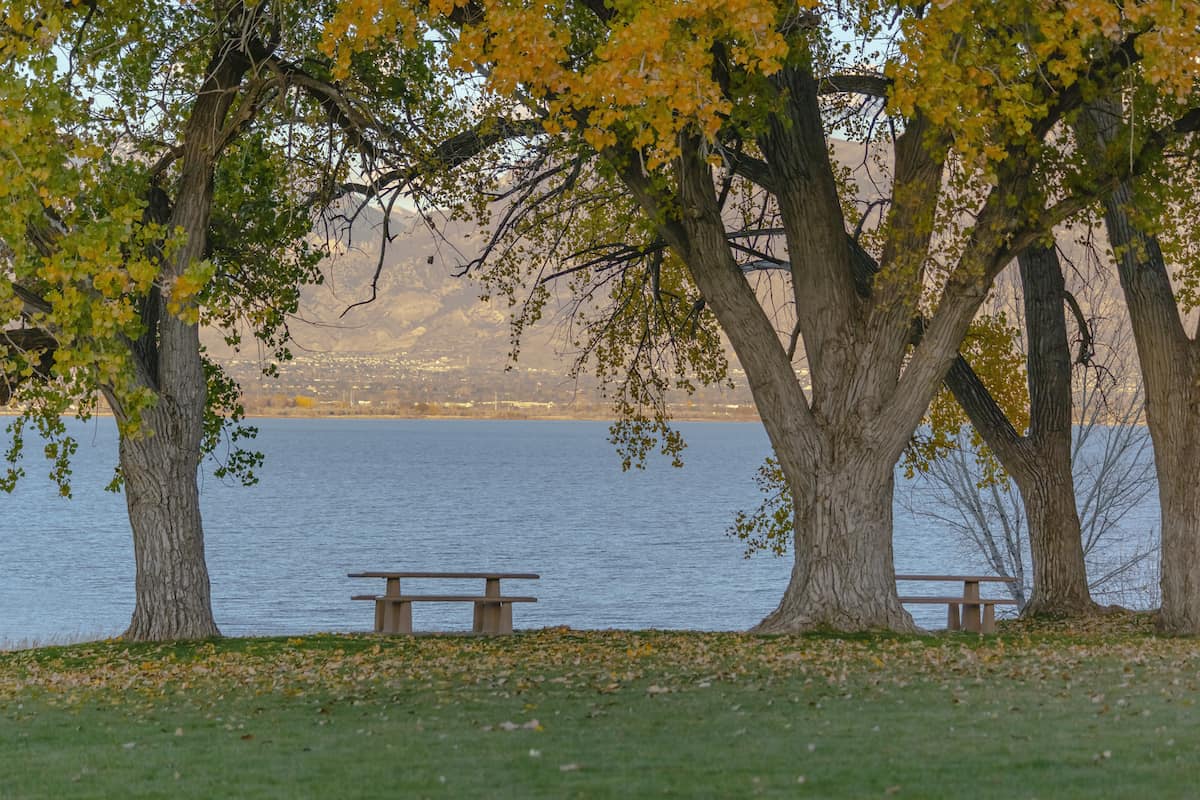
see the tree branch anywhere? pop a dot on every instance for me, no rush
(339, 109)
(1116, 172)
(25, 341)
(1072, 97)
(856, 83)
(1087, 343)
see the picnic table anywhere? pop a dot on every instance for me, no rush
(492, 609)
(968, 611)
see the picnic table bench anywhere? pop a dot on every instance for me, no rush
(493, 610)
(964, 612)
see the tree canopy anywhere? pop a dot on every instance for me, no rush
(705, 131)
(670, 164)
(163, 167)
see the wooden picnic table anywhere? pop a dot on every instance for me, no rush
(492, 609)
(970, 611)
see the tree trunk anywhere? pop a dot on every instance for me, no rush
(160, 460)
(1040, 463)
(844, 577)
(841, 479)
(1172, 380)
(1060, 586)
(1170, 363)
(159, 464)
(173, 597)
(1176, 455)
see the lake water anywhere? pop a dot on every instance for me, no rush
(614, 549)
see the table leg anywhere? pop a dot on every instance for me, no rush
(971, 617)
(489, 616)
(403, 617)
(380, 614)
(989, 618)
(497, 618)
(492, 621)
(398, 617)
(386, 618)
(953, 619)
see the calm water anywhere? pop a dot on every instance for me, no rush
(627, 550)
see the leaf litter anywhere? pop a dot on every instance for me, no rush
(657, 664)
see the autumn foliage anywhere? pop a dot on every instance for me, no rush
(707, 129)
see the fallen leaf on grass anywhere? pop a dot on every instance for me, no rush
(357, 668)
(531, 725)
(572, 767)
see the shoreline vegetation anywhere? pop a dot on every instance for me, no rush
(1099, 708)
(452, 411)
(487, 411)
(514, 414)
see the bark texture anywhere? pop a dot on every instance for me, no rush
(1170, 362)
(1039, 462)
(837, 447)
(843, 577)
(173, 595)
(1060, 585)
(160, 461)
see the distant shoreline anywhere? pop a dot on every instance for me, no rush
(482, 412)
(308, 414)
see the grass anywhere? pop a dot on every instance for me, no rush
(1051, 711)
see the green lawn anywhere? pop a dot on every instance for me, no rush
(1045, 713)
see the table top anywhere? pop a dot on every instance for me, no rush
(484, 575)
(963, 578)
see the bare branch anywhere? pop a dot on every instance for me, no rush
(1087, 343)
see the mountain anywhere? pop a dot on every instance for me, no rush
(423, 310)
(427, 318)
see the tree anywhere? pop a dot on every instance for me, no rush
(973, 487)
(681, 111)
(1106, 468)
(161, 168)
(1136, 217)
(1040, 460)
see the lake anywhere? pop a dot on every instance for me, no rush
(639, 549)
